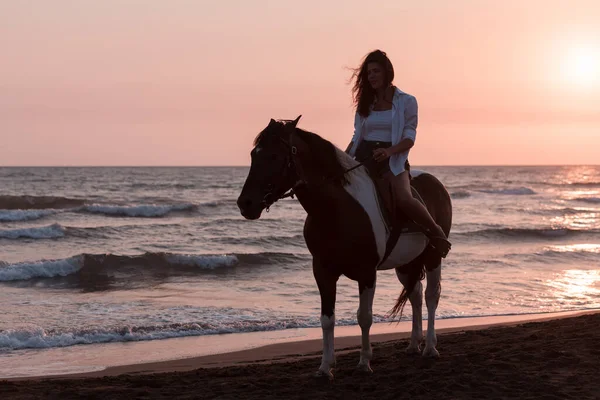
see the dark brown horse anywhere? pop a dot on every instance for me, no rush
(345, 230)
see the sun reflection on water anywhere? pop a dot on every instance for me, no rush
(588, 220)
(575, 175)
(577, 285)
(581, 247)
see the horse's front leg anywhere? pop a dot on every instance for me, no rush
(365, 320)
(327, 288)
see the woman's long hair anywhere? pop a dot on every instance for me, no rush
(362, 92)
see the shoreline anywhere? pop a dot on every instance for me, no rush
(551, 358)
(241, 349)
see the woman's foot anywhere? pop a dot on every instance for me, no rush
(441, 245)
(439, 241)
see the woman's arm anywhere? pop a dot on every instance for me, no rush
(382, 154)
(411, 119)
(405, 144)
(357, 132)
(409, 133)
(349, 147)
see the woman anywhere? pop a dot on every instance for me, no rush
(385, 129)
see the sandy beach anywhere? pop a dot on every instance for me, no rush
(552, 359)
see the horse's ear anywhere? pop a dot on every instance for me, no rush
(272, 122)
(295, 122)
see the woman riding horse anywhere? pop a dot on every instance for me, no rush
(345, 229)
(385, 129)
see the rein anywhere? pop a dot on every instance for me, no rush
(291, 193)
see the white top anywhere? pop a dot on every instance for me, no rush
(404, 126)
(379, 126)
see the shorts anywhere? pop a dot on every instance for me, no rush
(376, 169)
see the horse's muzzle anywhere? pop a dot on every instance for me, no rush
(248, 208)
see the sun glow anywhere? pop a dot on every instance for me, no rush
(581, 66)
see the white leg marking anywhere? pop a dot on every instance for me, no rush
(416, 301)
(328, 360)
(364, 315)
(432, 298)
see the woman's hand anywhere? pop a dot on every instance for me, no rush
(381, 154)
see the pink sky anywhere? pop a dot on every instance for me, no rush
(149, 82)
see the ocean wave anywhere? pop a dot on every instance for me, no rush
(41, 269)
(26, 208)
(294, 240)
(270, 258)
(587, 256)
(520, 191)
(586, 184)
(41, 232)
(158, 186)
(146, 211)
(209, 207)
(217, 203)
(56, 230)
(571, 184)
(460, 194)
(205, 261)
(24, 215)
(562, 211)
(90, 266)
(38, 202)
(592, 200)
(36, 337)
(521, 233)
(570, 256)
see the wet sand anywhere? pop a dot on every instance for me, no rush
(554, 359)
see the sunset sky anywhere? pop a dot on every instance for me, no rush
(149, 82)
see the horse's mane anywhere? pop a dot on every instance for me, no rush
(324, 154)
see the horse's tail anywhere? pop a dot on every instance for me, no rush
(415, 274)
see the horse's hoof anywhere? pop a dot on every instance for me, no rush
(364, 369)
(413, 350)
(324, 375)
(431, 352)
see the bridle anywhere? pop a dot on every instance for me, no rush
(291, 165)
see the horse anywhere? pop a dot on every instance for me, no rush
(345, 230)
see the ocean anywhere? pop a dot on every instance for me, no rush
(98, 255)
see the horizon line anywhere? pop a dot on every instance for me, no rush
(246, 166)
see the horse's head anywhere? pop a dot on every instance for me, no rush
(272, 169)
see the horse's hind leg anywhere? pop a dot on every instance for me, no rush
(432, 298)
(364, 315)
(416, 301)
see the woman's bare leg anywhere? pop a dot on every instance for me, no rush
(416, 210)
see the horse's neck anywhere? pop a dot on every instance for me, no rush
(344, 159)
(322, 199)
(317, 200)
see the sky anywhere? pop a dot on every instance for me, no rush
(153, 82)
